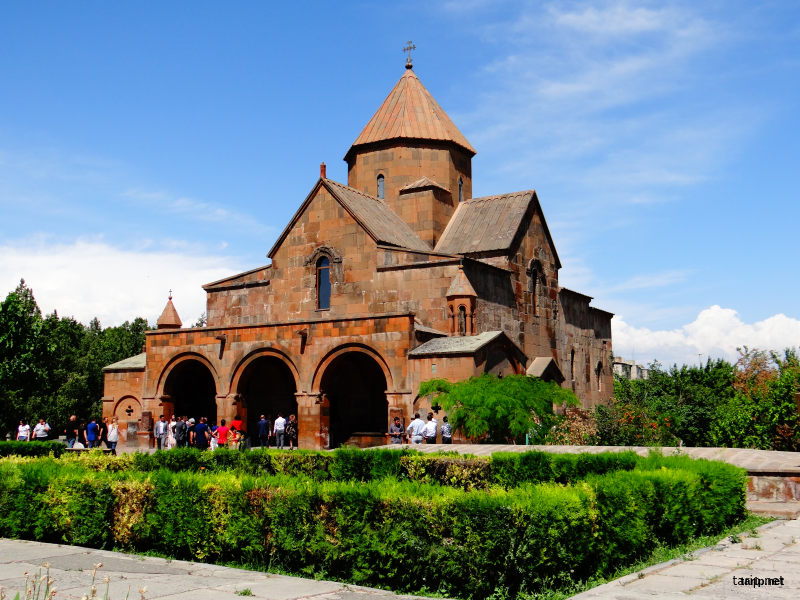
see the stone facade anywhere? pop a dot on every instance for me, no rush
(373, 287)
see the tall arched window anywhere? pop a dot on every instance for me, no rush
(381, 190)
(599, 372)
(572, 366)
(462, 320)
(323, 283)
(460, 189)
(535, 273)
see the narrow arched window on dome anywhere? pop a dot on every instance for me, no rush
(462, 320)
(323, 283)
(460, 189)
(381, 190)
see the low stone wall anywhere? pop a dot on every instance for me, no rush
(773, 488)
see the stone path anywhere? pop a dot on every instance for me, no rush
(754, 461)
(71, 569)
(727, 570)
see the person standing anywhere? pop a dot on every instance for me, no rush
(201, 435)
(291, 431)
(264, 427)
(104, 432)
(71, 431)
(447, 432)
(171, 432)
(113, 435)
(41, 431)
(429, 431)
(396, 431)
(221, 434)
(92, 434)
(181, 432)
(415, 429)
(23, 431)
(160, 431)
(279, 431)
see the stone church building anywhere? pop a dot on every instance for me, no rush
(373, 287)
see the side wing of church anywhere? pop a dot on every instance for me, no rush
(374, 287)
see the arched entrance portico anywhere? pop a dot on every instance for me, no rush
(191, 390)
(354, 387)
(266, 386)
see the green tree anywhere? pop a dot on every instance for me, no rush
(500, 410)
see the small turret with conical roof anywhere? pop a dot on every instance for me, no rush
(169, 318)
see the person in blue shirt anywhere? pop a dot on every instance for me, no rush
(201, 434)
(92, 434)
(264, 427)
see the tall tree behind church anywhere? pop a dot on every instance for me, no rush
(52, 366)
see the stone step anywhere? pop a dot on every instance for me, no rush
(779, 510)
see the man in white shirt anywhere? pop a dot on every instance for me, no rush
(160, 432)
(279, 429)
(429, 431)
(415, 429)
(41, 431)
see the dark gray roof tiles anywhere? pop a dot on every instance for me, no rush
(465, 344)
(375, 215)
(485, 224)
(132, 363)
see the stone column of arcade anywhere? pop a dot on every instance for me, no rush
(227, 407)
(312, 433)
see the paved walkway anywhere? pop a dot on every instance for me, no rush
(727, 570)
(754, 461)
(71, 569)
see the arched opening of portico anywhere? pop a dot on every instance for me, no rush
(267, 386)
(354, 386)
(191, 390)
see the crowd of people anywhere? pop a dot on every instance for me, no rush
(185, 432)
(419, 431)
(79, 434)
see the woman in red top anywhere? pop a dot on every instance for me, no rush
(222, 434)
(237, 423)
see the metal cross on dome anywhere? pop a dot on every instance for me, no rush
(408, 48)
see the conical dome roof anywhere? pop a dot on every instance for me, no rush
(410, 112)
(169, 318)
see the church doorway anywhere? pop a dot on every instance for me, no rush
(266, 387)
(355, 389)
(191, 390)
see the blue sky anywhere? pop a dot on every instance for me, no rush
(149, 146)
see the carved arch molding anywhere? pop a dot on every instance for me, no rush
(331, 254)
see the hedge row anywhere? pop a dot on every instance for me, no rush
(507, 469)
(408, 536)
(15, 448)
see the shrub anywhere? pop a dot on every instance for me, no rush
(406, 535)
(466, 473)
(15, 448)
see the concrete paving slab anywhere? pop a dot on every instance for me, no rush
(694, 570)
(23, 550)
(661, 583)
(285, 588)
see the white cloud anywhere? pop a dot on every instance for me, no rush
(89, 278)
(716, 332)
(195, 209)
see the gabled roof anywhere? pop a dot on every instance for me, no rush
(133, 363)
(463, 344)
(490, 223)
(545, 367)
(251, 278)
(169, 317)
(380, 222)
(410, 112)
(423, 183)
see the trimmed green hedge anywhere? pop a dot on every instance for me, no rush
(404, 535)
(507, 469)
(15, 448)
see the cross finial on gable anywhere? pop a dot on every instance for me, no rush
(408, 48)
(170, 294)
